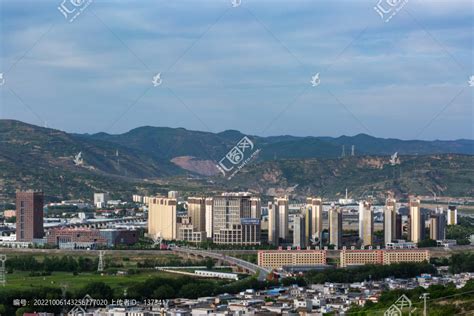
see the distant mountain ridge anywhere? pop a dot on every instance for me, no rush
(181, 142)
(37, 157)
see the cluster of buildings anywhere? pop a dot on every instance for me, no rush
(230, 218)
(238, 219)
(30, 229)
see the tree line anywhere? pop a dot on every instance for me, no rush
(370, 272)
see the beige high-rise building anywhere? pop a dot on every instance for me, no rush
(368, 226)
(452, 215)
(282, 207)
(438, 227)
(308, 224)
(316, 205)
(299, 236)
(415, 221)
(255, 207)
(162, 220)
(232, 223)
(197, 213)
(335, 226)
(273, 222)
(363, 207)
(390, 220)
(209, 217)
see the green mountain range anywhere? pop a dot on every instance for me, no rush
(152, 159)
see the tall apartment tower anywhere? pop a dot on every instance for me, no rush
(29, 215)
(416, 221)
(365, 208)
(209, 217)
(438, 227)
(299, 235)
(233, 223)
(197, 213)
(162, 219)
(316, 206)
(255, 207)
(390, 228)
(368, 226)
(452, 215)
(282, 207)
(335, 226)
(273, 224)
(308, 225)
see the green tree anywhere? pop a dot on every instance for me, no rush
(97, 290)
(164, 292)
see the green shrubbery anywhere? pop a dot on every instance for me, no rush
(369, 272)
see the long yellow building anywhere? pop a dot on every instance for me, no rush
(382, 256)
(276, 259)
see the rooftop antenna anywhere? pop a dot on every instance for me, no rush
(3, 279)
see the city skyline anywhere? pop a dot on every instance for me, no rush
(221, 64)
(231, 157)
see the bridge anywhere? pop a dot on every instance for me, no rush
(94, 223)
(242, 264)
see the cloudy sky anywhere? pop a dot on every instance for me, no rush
(247, 67)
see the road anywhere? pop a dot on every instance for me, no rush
(262, 272)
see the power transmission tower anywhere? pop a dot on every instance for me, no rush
(100, 267)
(3, 279)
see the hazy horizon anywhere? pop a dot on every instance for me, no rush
(248, 134)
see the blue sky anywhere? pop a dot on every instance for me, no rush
(246, 68)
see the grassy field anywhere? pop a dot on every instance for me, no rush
(22, 280)
(116, 261)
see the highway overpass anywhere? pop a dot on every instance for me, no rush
(244, 265)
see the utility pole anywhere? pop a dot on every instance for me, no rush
(424, 296)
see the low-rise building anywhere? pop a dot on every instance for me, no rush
(75, 238)
(276, 259)
(120, 236)
(382, 256)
